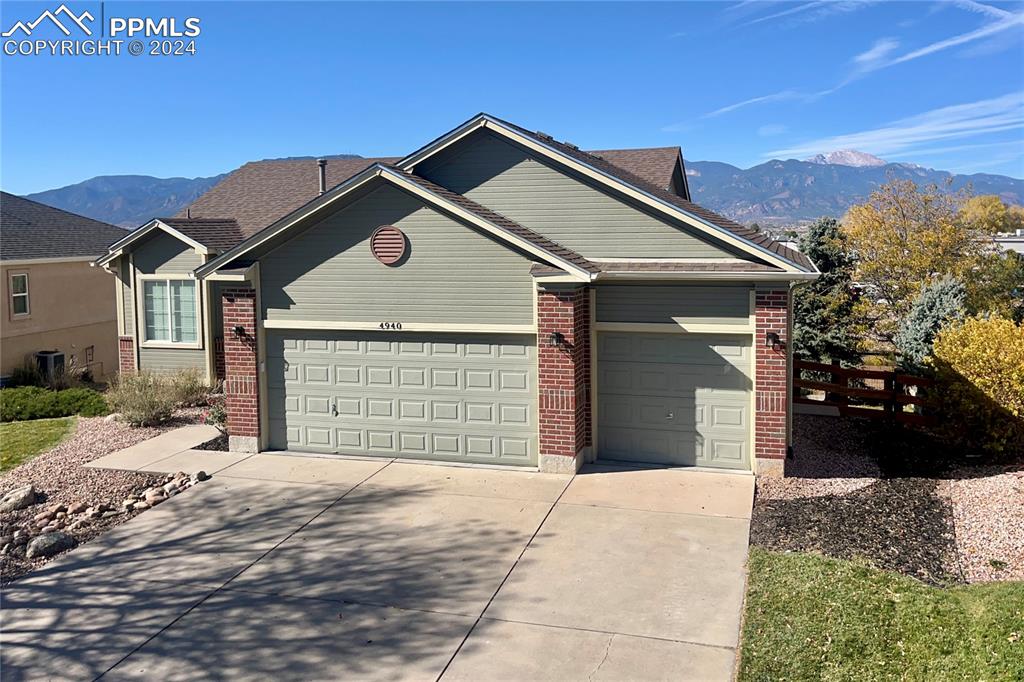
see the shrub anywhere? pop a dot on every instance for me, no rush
(979, 366)
(143, 399)
(33, 402)
(216, 414)
(939, 303)
(189, 387)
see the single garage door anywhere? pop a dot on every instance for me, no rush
(459, 398)
(681, 399)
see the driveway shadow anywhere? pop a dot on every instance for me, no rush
(136, 589)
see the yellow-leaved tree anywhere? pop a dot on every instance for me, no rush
(905, 236)
(987, 212)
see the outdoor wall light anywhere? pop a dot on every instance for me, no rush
(556, 339)
(239, 331)
(773, 341)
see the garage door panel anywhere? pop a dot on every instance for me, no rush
(674, 399)
(669, 379)
(695, 349)
(463, 398)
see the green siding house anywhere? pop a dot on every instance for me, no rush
(495, 297)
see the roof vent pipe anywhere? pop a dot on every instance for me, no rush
(321, 171)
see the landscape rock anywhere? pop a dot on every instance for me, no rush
(154, 495)
(49, 544)
(77, 508)
(202, 476)
(112, 417)
(19, 498)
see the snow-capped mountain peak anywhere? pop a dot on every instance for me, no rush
(847, 157)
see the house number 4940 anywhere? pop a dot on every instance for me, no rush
(391, 325)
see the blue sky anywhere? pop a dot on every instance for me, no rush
(940, 84)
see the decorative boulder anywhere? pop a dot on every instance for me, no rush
(49, 544)
(19, 498)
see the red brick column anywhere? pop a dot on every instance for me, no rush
(564, 378)
(241, 384)
(772, 313)
(126, 354)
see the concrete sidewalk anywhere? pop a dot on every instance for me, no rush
(171, 452)
(325, 568)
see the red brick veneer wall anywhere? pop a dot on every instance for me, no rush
(772, 315)
(126, 354)
(218, 358)
(564, 378)
(241, 386)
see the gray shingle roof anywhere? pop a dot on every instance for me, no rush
(654, 165)
(217, 233)
(261, 192)
(30, 230)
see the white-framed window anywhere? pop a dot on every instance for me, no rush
(170, 311)
(19, 294)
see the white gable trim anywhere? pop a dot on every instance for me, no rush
(404, 183)
(485, 121)
(117, 248)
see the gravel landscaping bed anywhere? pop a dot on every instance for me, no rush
(895, 498)
(988, 513)
(897, 524)
(77, 501)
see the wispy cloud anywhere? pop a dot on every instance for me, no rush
(1006, 23)
(979, 8)
(947, 123)
(877, 53)
(880, 56)
(810, 11)
(780, 96)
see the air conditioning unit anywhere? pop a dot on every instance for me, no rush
(50, 363)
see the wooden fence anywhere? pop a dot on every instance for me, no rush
(888, 390)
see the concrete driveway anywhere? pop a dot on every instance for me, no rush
(287, 567)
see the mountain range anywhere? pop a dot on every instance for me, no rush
(775, 193)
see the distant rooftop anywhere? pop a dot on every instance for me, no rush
(30, 230)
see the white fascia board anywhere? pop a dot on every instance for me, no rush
(713, 276)
(635, 193)
(43, 261)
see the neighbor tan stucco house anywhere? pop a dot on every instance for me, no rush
(54, 299)
(495, 297)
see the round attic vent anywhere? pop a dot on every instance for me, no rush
(387, 244)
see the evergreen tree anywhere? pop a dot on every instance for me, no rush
(824, 322)
(940, 302)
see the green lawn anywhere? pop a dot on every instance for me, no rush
(21, 441)
(813, 618)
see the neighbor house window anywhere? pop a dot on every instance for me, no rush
(19, 294)
(170, 310)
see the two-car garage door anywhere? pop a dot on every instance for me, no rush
(450, 397)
